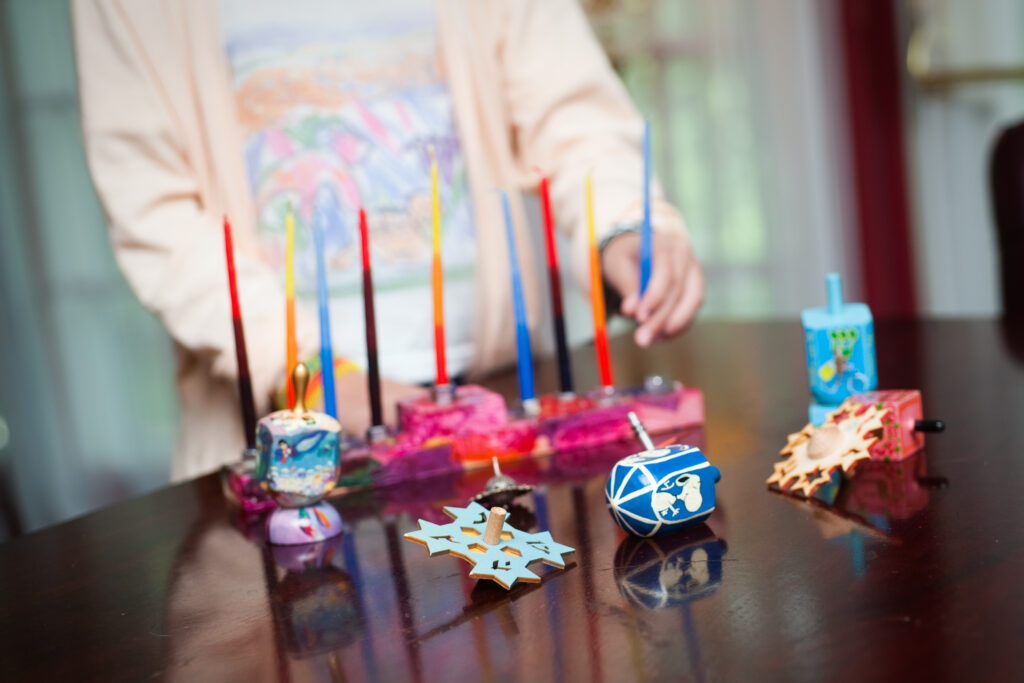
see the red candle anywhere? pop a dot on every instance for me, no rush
(372, 363)
(244, 380)
(561, 343)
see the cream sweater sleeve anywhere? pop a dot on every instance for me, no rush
(571, 115)
(145, 148)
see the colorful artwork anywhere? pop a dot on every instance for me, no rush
(338, 105)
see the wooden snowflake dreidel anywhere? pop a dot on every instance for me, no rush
(497, 550)
(816, 455)
(660, 490)
(298, 466)
(884, 426)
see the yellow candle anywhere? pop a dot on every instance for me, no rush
(289, 298)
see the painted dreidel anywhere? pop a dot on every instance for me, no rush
(817, 457)
(903, 422)
(840, 343)
(882, 426)
(497, 550)
(298, 466)
(660, 490)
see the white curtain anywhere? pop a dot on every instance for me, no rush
(952, 130)
(746, 103)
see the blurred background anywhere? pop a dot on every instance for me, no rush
(797, 136)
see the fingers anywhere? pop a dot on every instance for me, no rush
(620, 269)
(629, 303)
(652, 328)
(663, 276)
(673, 297)
(688, 305)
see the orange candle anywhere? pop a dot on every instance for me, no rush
(604, 364)
(437, 275)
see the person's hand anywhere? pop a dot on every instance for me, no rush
(354, 400)
(674, 292)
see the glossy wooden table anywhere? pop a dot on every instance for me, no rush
(924, 582)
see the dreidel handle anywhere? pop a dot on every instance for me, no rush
(495, 521)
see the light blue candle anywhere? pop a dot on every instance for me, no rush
(645, 233)
(323, 301)
(525, 360)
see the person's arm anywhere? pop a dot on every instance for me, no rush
(571, 116)
(167, 238)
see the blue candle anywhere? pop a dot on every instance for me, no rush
(645, 233)
(525, 360)
(326, 353)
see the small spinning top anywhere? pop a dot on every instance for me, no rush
(500, 489)
(659, 490)
(496, 549)
(298, 466)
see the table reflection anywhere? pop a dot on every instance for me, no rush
(315, 606)
(667, 571)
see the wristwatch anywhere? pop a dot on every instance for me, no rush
(612, 299)
(618, 230)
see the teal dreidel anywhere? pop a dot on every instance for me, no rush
(840, 344)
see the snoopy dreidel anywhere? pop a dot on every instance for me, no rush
(660, 490)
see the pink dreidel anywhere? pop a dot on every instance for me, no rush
(903, 425)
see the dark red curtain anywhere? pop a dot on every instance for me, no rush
(873, 64)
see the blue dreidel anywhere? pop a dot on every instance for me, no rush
(660, 490)
(298, 466)
(840, 343)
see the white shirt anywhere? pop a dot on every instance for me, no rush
(338, 104)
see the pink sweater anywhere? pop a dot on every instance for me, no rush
(530, 87)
